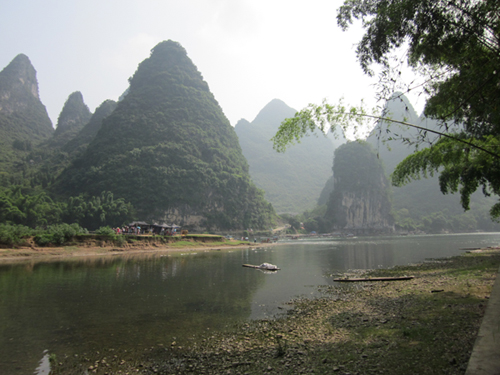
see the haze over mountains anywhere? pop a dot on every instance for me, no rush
(357, 199)
(422, 200)
(292, 180)
(167, 149)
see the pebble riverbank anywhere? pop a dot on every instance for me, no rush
(426, 325)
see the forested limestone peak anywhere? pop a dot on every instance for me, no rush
(168, 56)
(267, 120)
(169, 150)
(74, 115)
(421, 203)
(397, 105)
(397, 108)
(242, 123)
(360, 198)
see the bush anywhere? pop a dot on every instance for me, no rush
(43, 239)
(13, 235)
(106, 231)
(58, 234)
(120, 241)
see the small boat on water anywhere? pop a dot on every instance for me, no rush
(354, 279)
(263, 266)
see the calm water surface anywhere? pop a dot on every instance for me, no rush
(134, 302)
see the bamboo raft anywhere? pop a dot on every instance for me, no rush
(374, 279)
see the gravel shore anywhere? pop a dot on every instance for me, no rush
(426, 325)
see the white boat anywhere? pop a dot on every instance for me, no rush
(263, 266)
(268, 266)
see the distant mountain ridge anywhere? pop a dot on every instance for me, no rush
(293, 180)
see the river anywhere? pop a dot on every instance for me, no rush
(134, 302)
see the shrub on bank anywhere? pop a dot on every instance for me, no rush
(14, 235)
(57, 234)
(106, 231)
(111, 235)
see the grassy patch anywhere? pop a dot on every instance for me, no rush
(182, 243)
(71, 248)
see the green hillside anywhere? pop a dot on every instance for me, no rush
(56, 154)
(293, 180)
(81, 140)
(169, 150)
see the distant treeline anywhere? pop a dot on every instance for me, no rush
(436, 222)
(15, 235)
(37, 209)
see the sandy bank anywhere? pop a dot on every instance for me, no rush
(47, 253)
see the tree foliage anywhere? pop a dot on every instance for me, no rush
(455, 47)
(456, 42)
(460, 168)
(32, 209)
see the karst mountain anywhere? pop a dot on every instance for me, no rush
(24, 122)
(169, 150)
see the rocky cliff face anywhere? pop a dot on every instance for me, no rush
(362, 212)
(24, 122)
(360, 200)
(20, 107)
(17, 81)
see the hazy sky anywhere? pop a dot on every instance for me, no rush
(248, 51)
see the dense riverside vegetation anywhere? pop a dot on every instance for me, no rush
(59, 234)
(38, 209)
